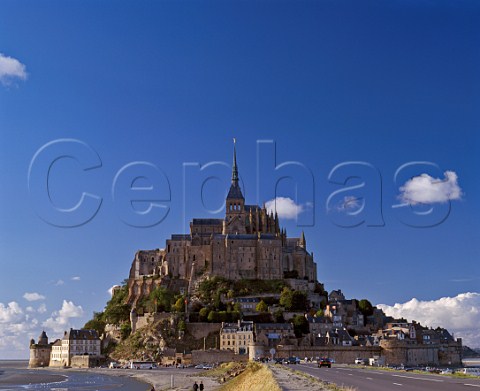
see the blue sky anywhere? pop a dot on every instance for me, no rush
(327, 83)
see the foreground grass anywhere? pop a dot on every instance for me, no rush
(224, 370)
(325, 385)
(256, 377)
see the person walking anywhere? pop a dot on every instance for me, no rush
(195, 386)
(201, 386)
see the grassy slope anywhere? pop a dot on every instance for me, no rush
(256, 377)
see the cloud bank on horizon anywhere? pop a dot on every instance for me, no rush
(11, 69)
(459, 315)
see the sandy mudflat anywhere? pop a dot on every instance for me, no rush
(9, 379)
(183, 379)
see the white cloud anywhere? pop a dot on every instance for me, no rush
(11, 69)
(59, 282)
(10, 313)
(459, 314)
(16, 325)
(285, 207)
(42, 308)
(424, 189)
(349, 203)
(33, 296)
(76, 278)
(60, 320)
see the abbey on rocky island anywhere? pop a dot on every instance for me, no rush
(247, 244)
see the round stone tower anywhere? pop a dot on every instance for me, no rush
(40, 352)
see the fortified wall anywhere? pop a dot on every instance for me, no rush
(212, 356)
(401, 352)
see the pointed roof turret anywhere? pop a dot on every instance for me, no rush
(303, 242)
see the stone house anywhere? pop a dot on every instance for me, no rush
(236, 336)
(73, 344)
(273, 334)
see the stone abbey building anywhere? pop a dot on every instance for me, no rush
(247, 244)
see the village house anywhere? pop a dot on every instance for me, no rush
(236, 336)
(273, 334)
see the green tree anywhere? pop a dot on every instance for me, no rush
(181, 325)
(299, 301)
(203, 314)
(116, 310)
(223, 316)
(125, 330)
(179, 305)
(293, 300)
(286, 298)
(319, 313)
(261, 307)
(97, 323)
(160, 299)
(278, 316)
(365, 307)
(300, 325)
(213, 316)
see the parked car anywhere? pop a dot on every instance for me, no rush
(293, 360)
(359, 361)
(114, 365)
(324, 362)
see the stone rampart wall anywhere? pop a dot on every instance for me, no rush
(216, 356)
(341, 354)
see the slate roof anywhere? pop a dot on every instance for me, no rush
(235, 192)
(181, 237)
(207, 221)
(273, 326)
(81, 334)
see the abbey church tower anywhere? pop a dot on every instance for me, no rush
(235, 216)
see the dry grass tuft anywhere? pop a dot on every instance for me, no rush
(256, 377)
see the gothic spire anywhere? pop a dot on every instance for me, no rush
(235, 192)
(234, 167)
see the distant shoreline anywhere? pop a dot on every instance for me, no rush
(471, 362)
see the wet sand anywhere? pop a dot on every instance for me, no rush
(14, 375)
(14, 378)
